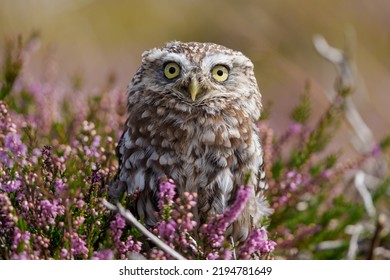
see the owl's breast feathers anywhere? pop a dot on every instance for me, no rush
(210, 154)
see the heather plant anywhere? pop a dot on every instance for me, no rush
(57, 157)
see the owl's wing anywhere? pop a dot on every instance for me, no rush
(261, 177)
(136, 176)
(116, 187)
(262, 205)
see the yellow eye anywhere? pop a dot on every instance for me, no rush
(171, 70)
(220, 73)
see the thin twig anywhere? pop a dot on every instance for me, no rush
(363, 143)
(353, 249)
(131, 219)
(343, 61)
(234, 248)
(380, 224)
(364, 193)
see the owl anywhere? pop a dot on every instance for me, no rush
(192, 112)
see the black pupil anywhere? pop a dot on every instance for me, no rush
(219, 72)
(172, 70)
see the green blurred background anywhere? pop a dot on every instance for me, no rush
(95, 39)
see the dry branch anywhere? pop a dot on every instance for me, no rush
(132, 220)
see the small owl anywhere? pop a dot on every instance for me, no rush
(192, 112)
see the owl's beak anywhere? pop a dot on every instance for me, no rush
(194, 88)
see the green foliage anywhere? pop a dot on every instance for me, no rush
(301, 113)
(306, 183)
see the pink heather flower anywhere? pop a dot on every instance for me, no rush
(243, 194)
(96, 141)
(20, 239)
(256, 243)
(157, 254)
(226, 254)
(293, 180)
(187, 222)
(326, 174)
(295, 128)
(49, 211)
(106, 254)
(7, 217)
(36, 153)
(80, 203)
(20, 256)
(59, 186)
(11, 185)
(166, 194)
(118, 223)
(122, 246)
(212, 256)
(13, 149)
(167, 230)
(64, 253)
(16, 239)
(14, 144)
(376, 151)
(217, 226)
(79, 248)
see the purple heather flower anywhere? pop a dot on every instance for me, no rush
(295, 128)
(60, 186)
(20, 238)
(293, 180)
(7, 217)
(11, 185)
(13, 149)
(50, 211)
(226, 254)
(96, 141)
(63, 253)
(167, 230)
(96, 176)
(212, 256)
(376, 151)
(20, 256)
(79, 247)
(256, 243)
(36, 153)
(13, 143)
(118, 223)
(235, 210)
(326, 174)
(217, 226)
(167, 193)
(120, 245)
(106, 254)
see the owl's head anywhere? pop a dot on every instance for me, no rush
(198, 76)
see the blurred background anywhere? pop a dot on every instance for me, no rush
(97, 39)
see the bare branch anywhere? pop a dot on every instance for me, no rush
(364, 193)
(131, 219)
(353, 249)
(346, 83)
(375, 241)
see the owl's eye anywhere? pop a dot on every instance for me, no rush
(171, 70)
(220, 73)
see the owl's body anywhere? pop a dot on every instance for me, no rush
(192, 109)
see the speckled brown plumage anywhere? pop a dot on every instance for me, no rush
(206, 144)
